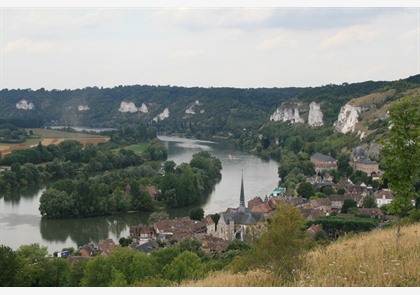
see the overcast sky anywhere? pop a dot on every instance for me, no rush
(68, 48)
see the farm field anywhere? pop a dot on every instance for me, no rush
(50, 136)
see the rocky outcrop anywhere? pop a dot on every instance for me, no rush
(162, 116)
(347, 118)
(127, 107)
(287, 113)
(83, 108)
(315, 117)
(191, 110)
(25, 105)
(143, 108)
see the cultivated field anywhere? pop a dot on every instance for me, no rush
(49, 136)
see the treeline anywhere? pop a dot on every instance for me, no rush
(29, 266)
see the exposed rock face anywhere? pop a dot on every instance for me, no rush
(126, 107)
(190, 110)
(83, 108)
(162, 116)
(315, 117)
(347, 118)
(284, 114)
(25, 105)
(143, 108)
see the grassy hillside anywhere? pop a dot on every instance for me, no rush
(365, 260)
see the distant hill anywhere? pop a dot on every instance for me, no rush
(208, 111)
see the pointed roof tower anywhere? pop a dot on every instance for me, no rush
(242, 208)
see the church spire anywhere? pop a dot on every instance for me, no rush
(242, 207)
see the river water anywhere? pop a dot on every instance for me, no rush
(21, 223)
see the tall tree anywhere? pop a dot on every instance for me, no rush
(401, 155)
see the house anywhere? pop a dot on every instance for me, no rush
(237, 224)
(88, 250)
(323, 204)
(311, 214)
(384, 197)
(141, 232)
(359, 161)
(210, 225)
(178, 228)
(254, 202)
(146, 248)
(105, 246)
(323, 162)
(372, 212)
(313, 229)
(212, 244)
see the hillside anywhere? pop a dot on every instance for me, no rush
(197, 111)
(365, 260)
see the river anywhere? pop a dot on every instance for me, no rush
(21, 223)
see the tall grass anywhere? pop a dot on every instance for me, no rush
(365, 260)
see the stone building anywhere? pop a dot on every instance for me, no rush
(238, 223)
(359, 161)
(323, 162)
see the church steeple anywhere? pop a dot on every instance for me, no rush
(242, 208)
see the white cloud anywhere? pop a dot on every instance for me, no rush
(351, 35)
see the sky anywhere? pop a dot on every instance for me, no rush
(242, 46)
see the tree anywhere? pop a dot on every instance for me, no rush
(8, 266)
(347, 204)
(282, 247)
(124, 242)
(186, 266)
(306, 190)
(369, 202)
(197, 214)
(400, 155)
(157, 216)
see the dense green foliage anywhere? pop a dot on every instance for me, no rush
(401, 155)
(282, 247)
(188, 184)
(335, 226)
(11, 134)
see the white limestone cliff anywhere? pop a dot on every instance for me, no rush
(83, 108)
(25, 105)
(162, 116)
(315, 117)
(284, 114)
(190, 110)
(143, 108)
(126, 107)
(347, 118)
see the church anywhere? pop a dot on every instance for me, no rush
(238, 223)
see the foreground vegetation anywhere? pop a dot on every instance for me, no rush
(371, 259)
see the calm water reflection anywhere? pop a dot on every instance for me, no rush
(21, 223)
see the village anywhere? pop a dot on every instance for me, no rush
(247, 221)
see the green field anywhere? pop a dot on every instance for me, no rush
(137, 148)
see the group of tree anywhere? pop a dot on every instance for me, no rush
(31, 266)
(9, 133)
(190, 183)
